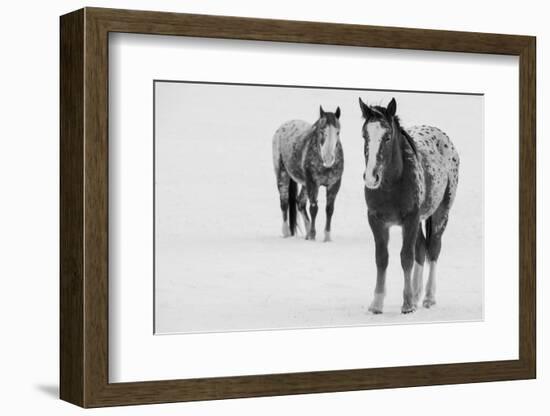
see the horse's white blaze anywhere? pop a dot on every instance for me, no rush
(375, 132)
(328, 149)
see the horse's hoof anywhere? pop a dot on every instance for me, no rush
(405, 309)
(310, 237)
(286, 230)
(375, 310)
(327, 237)
(377, 304)
(428, 302)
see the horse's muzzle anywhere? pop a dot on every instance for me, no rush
(371, 181)
(329, 163)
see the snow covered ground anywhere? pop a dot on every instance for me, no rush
(221, 263)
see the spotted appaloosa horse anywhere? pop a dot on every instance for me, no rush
(312, 156)
(411, 176)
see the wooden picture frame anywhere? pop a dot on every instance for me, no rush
(84, 207)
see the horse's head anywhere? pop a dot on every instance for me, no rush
(328, 135)
(380, 141)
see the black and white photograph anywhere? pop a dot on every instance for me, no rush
(285, 207)
(271, 208)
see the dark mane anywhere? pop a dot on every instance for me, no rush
(381, 112)
(406, 136)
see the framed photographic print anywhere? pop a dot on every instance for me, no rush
(255, 207)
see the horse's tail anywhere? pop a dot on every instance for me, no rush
(292, 206)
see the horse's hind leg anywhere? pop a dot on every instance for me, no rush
(283, 184)
(419, 259)
(435, 226)
(331, 196)
(410, 231)
(302, 208)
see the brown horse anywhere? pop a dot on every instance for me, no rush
(411, 176)
(311, 156)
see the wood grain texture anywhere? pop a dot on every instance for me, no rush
(528, 208)
(71, 213)
(84, 207)
(96, 225)
(162, 23)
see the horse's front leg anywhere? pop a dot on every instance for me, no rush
(332, 190)
(312, 190)
(381, 235)
(410, 231)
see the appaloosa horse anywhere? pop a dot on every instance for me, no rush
(411, 176)
(312, 156)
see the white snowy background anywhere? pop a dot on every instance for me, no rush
(221, 263)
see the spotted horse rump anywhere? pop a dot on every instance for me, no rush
(308, 156)
(411, 177)
(438, 167)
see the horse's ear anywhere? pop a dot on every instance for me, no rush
(364, 109)
(337, 113)
(321, 111)
(392, 107)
